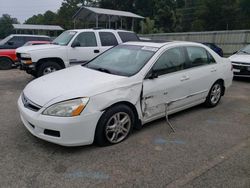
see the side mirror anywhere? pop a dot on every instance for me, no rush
(10, 43)
(75, 44)
(152, 75)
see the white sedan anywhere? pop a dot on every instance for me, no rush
(127, 86)
(241, 62)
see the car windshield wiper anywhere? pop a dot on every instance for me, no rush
(244, 52)
(103, 70)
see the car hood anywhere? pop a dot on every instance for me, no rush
(244, 58)
(70, 83)
(27, 49)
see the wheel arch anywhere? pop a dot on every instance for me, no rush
(223, 85)
(7, 57)
(132, 107)
(54, 59)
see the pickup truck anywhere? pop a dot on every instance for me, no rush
(9, 44)
(72, 47)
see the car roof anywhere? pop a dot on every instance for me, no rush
(100, 29)
(160, 44)
(21, 35)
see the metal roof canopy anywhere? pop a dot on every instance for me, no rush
(104, 15)
(37, 27)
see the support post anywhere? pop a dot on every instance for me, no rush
(74, 23)
(121, 22)
(133, 20)
(97, 21)
(109, 22)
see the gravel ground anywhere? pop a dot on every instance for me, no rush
(210, 148)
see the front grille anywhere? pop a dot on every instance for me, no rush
(29, 104)
(18, 55)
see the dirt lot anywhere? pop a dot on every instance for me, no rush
(211, 148)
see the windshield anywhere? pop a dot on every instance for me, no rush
(64, 38)
(245, 50)
(2, 42)
(123, 60)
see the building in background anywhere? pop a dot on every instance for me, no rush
(50, 30)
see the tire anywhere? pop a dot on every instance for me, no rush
(47, 68)
(108, 132)
(5, 63)
(214, 95)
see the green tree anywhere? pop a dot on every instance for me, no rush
(6, 27)
(48, 18)
(217, 15)
(148, 26)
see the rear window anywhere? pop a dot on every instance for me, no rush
(36, 39)
(127, 36)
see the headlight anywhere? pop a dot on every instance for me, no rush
(68, 108)
(25, 56)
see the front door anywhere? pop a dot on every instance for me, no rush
(166, 86)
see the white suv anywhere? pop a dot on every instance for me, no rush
(70, 48)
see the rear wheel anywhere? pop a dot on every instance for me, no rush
(214, 95)
(115, 125)
(47, 68)
(5, 63)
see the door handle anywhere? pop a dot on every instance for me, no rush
(185, 78)
(96, 51)
(213, 70)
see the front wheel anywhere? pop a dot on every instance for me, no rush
(5, 63)
(47, 68)
(214, 95)
(115, 125)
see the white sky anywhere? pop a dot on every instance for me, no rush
(24, 9)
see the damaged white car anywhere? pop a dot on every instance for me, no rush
(124, 88)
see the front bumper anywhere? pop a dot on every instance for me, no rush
(27, 67)
(241, 69)
(65, 131)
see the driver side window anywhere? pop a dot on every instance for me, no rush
(86, 39)
(170, 61)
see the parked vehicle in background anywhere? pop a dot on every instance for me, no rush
(32, 43)
(17, 40)
(241, 62)
(70, 48)
(124, 88)
(214, 47)
(8, 57)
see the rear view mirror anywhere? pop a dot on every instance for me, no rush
(152, 75)
(75, 44)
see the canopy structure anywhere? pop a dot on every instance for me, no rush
(36, 29)
(92, 14)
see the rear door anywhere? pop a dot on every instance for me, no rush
(170, 86)
(202, 72)
(86, 50)
(107, 40)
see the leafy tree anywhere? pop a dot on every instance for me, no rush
(218, 15)
(48, 18)
(148, 26)
(6, 27)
